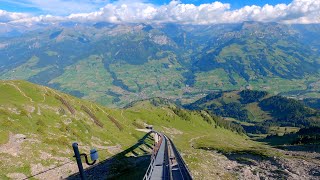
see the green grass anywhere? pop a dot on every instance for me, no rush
(49, 128)
(52, 132)
(52, 53)
(25, 70)
(227, 142)
(282, 130)
(196, 139)
(4, 137)
(89, 77)
(256, 114)
(84, 75)
(215, 79)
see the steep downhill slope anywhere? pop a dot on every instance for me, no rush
(39, 124)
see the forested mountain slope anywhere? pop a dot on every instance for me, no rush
(115, 64)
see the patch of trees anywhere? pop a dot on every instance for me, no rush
(206, 117)
(115, 100)
(249, 96)
(190, 78)
(55, 34)
(160, 101)
(156, 101)
(233, 109)
(309, 135)
(196, 105)
(312, 102)
(232, 126)
(257, 129)
(315, 139)
(76, 93)
(181, 113)
(116, 96)
(309, 131)
(287, 112)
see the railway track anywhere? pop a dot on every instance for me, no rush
(166, 162)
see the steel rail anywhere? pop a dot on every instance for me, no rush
(160, 167)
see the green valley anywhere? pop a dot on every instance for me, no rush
(115, 65)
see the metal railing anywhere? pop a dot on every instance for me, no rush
(153, 158)
(182, 165)
(164, 170)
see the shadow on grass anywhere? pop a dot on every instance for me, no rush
(120, 166)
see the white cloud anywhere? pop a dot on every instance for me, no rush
(124, 11)
(6, 16)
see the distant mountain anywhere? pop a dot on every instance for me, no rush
(260, 50)
(115, 64)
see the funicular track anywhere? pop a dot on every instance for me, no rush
(166, 162)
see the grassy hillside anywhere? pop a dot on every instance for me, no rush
(39, 124)
(48, 122)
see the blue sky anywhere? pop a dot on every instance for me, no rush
(38, 7)
(164, 11)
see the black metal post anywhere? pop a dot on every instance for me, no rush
(78, 158)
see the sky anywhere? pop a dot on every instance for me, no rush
(43, 6)
(160, 11)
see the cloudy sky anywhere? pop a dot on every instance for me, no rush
(157, 11)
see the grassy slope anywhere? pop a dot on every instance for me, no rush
(35, 113)
(191, 137)
(84, 75)
(24, 71)
(33, 110)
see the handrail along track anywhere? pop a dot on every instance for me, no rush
(166, 162)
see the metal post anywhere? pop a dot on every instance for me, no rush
(78, 158)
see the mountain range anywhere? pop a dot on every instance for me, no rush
(115, 64)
